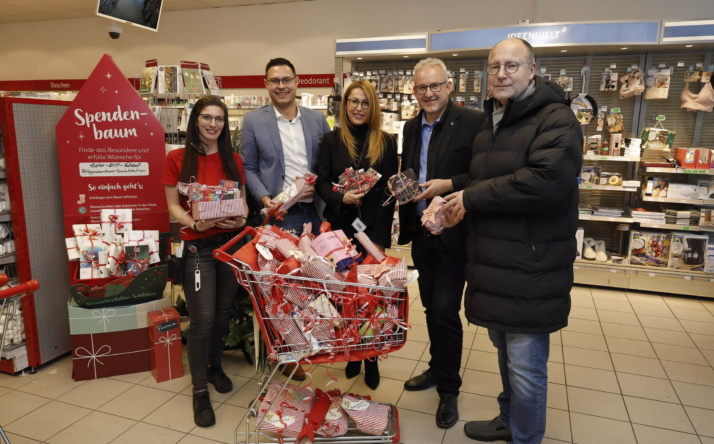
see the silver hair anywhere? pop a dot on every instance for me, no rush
(431, 61)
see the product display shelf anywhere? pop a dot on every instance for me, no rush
(675, 227)
(679, 170)
(622, 220)
(635, 277)
(30, 151)
(588, 186)
(707, 202)
(611, 158)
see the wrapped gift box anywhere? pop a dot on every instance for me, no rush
(165, 342)
(137, 257)
(87, 230)
(116, 220)
(101, 355)
(111, 319)
(92, 261)
(336, 247)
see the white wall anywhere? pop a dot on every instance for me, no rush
(240, 40)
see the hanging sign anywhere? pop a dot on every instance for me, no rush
(111, 153)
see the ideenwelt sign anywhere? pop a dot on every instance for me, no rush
(552, 34)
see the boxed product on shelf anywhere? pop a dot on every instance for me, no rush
(649, 248)
(704, 158)
(705, 217)
(591, 174)
(687, 157)
(657, 187)
(709, 259)
(682, 191)
(687, 251)
(609, 178)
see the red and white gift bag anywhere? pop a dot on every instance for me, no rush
(370, 417)
(287, 414)
(335, 421)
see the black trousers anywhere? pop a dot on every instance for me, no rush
(441, 287)
(209, 307)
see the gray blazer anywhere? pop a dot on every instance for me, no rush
(262, 150)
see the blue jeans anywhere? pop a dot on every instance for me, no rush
(299, 214)
(523, 361)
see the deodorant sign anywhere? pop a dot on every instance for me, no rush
(111, 153)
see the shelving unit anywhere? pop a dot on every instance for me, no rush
(693, 129)
(30, 149)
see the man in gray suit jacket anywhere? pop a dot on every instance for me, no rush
(280, 142)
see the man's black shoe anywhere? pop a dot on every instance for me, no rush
(221, 382)
(491, 430)
(203, 414)
(420, 382)
(448, 412)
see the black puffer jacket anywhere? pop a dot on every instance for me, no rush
(522, 200)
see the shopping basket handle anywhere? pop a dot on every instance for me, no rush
(27, 287)
(222, 253)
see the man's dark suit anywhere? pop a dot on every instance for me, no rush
(440, 259)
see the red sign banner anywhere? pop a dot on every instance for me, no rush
(111, 153)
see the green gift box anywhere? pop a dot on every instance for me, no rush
(84, 321)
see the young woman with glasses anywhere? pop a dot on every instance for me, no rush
(361, 144)
(209, 285)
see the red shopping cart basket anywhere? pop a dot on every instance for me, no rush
(318, 320)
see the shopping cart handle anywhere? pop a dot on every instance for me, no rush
(222, 252)
(27, 287)
(4, 279)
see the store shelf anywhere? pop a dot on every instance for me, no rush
(611, 158)
(624, 220)
(635, 277)
(588, 186)
(7, 259)
(671, 226)
(678, 170)
(678, 200)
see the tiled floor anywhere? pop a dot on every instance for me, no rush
(630, 368)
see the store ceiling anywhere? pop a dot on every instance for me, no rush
(13, 11)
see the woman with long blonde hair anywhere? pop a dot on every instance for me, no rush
(361, 144)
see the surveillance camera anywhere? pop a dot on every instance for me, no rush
(115, 31)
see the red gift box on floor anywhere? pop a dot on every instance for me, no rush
(165, 341)
(100, 355)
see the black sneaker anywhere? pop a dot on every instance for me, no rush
(220, 380)
(488, 431)
(203, 414)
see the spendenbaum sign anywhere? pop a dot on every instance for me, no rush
(111, 153)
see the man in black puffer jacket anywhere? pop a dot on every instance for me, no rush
(521, 202)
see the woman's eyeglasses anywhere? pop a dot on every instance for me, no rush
(207, 118)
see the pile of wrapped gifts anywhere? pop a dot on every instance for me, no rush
(297, 412)
(112, 248)
(318, 297)
(356, 180)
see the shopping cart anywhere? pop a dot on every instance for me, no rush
(384, 326)
(10, 298)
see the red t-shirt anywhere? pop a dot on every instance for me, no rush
(209, 172)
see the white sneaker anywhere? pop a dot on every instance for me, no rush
(600, 251)
(589, 248)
